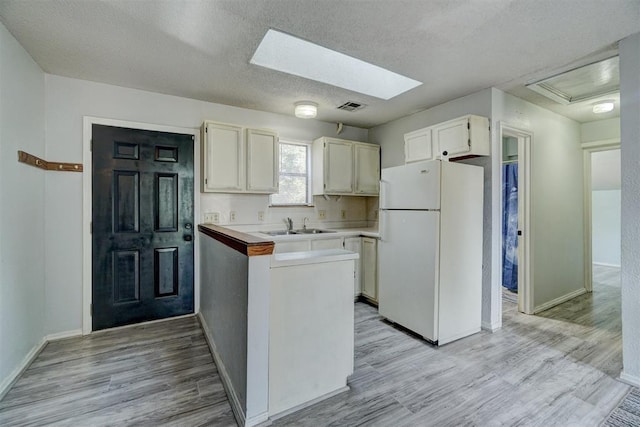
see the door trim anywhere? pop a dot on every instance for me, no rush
(588, 148)
(525, 256)
(87, 269)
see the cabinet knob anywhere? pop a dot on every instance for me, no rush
(444, 153)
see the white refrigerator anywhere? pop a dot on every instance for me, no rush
(430, 249)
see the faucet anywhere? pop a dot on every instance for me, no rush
(289, 224)
(304, 222)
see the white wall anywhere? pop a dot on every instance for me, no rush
(600, 130)
(390, 136)
(605, 221)
(630, 143)
(22, 212)
(605, 207)
(224, 308)
(67, 101)
(557, 234)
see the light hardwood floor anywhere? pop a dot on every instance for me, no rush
(154, 374)
(556, 369)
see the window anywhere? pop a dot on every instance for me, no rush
(294, 175)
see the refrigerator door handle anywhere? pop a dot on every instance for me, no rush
(382, 224)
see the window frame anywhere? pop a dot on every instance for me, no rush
(309, 198)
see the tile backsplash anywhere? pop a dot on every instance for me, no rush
(253, 210)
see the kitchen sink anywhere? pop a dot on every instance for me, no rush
(312, 231)
(279, 232)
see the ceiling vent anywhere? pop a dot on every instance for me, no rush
(351, 106)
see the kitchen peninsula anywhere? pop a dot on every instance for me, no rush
(275, 350)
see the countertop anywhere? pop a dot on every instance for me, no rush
(311, 257)
(336, 232)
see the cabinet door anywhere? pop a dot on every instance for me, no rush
(417, 146)
(367, 168)
(338, 167)
(223, 158)
(262, 161)
(369, 268)
(354, 244)
(452, 138)
(335, 243)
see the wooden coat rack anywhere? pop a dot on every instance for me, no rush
(37, 162)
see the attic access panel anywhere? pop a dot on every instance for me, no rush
(580, 84)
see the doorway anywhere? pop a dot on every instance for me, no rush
(142, 225)
(158, 275)
(515, 149)
(602, 212)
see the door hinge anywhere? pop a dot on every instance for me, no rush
(469, 142)
(91, 309)
(469, 125)
(206, 129)
(205, 181)
(193, 137)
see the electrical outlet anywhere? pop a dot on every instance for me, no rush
(212, 218)
(232, 216)
(322, 214)
(260, 215)
(343, 214)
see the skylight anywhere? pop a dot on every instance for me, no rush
(282, 52)
(581, 84)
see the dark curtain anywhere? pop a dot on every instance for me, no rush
(510, 226)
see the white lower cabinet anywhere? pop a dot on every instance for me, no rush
(369, 270)
(366, 266)
(354, 244)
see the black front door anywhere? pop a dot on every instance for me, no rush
(142, 229)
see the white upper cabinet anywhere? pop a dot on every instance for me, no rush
(367, 169)
(342, 167)
(223, 157)
(232, 163)
(465, 136)
(338, 167)
(262, 161)
(417, 146)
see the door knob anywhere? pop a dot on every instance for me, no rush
(187, 226)
(188, 237)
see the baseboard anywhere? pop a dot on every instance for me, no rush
(630, 379)
(146, 322)
(604, 264)
(491, 327)
(559, 300)
(445, 340)
(309, 403)
(238, 412)
(63, 335)
(8, 382)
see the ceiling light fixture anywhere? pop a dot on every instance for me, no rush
(603, 107)
(306, 109)
(288, 54)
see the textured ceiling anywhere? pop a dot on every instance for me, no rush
(201, 49)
